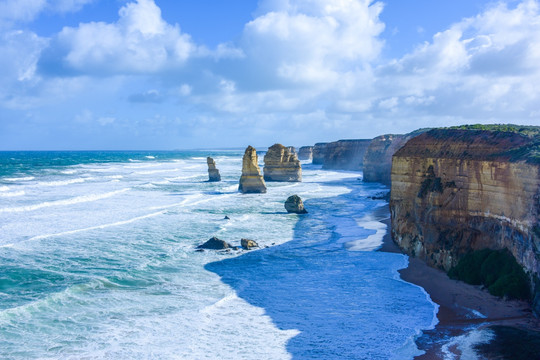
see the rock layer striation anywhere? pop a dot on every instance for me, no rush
(454, 191)
(251, 180)
(281, 165)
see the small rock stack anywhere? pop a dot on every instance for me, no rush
(213, 172)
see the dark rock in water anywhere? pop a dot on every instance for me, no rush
(248, 244)
(295, 205)
(381, 196)
(215, 244)
(199, 250)
(226, 218)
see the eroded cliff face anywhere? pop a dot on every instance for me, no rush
(378, 158)
(345, 154)
(251, 180)
(454, 191)
(280, 164)
(305, 153)
(319, 151)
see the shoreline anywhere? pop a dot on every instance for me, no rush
(462, 307)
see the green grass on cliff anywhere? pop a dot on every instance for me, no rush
(497, 270)
(530, 131)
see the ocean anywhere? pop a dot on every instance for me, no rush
(98, 261)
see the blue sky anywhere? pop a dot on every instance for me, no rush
(158, 74)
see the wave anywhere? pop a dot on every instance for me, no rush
(68, 172)
(63, 182)
(150, 157)
(24, 178)
(97, 227)
(4, 188)
(12, 194)
(149, 172)
(71, 201)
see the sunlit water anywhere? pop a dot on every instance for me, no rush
(98, 260)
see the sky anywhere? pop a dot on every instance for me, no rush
(179, 74)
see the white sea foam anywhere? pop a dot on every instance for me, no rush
(465, 344)
(372, 242)
(150, 172)
(25, 178)
(103, 226)
(71, 201)
(4, 188)
(150, 157)
(12, 194)
(63, 182)
(68, 172)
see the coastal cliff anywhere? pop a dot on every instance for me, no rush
(378, 158)
(280, 164)
(251, 180)
(319, 151)
(458, 190)
(345, 154)
(305, 153)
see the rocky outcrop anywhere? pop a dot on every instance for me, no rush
(345, 155)
(305, 153)
(281, 165)
(458, 190)
(292, 150)
(294, 204)
(378, 157)
(215, 244)
(213, 172)
(319, 151)
(251, 180)
(248, 244)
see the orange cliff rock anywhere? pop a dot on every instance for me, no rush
(454, 191)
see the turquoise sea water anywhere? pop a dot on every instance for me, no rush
(97, 261)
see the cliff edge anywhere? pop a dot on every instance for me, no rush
(345, 154)
(457, 190)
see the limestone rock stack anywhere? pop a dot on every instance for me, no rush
(305, 153)
(281, 165)
(292, 150)
(251, 180)
(213, 172)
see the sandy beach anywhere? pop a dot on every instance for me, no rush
(462, 307)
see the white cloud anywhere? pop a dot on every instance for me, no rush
(15, 11)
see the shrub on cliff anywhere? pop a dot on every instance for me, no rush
(497, 270)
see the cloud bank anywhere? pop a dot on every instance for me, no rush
(301, 71)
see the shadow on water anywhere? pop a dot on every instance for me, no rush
(346, 305)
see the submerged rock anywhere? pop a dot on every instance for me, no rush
(248, 244)
(213, 172)
(226, 218)
(251, 180)
(281, 165)
(294, 204)
(215, 244)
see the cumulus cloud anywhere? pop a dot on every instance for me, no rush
(16, 11)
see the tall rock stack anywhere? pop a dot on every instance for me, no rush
(213, 172)
(305, 153)
(319, 152)
(292, 150)
(251, 180)
(281, 165)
